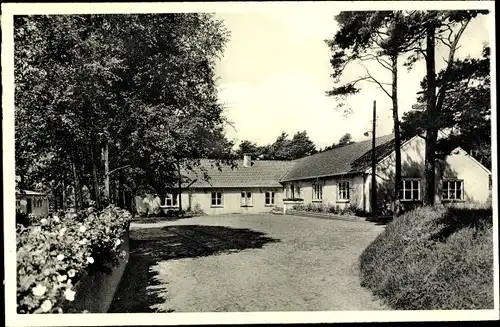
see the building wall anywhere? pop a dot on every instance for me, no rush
(330, 191)
(412, 166)
(456, 166)
(231, 199)
(35, 209)
(475, 177)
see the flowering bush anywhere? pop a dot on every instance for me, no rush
(56, 250)
(327, 208)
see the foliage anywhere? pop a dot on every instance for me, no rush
(345, 139)
(328, 209)
(57, 250)
(141, 86)
(466, 110)
(433, 258)
(283, 148)
(434, 28)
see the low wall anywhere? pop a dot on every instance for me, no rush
(95, 292)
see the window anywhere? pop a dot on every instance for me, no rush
(170, 200)
(317, 192)
(343, 191)
(246, 199)
(453, 190)
(269, 198)
(410, 190)
(216, 199)
(18, 203)
(37, 203)
(293, 191)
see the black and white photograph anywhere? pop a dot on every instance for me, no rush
(259, 162)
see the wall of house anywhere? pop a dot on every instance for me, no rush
(330, 191)
(412, 166)
(455, 166)
(231, 198)
(35, 209)
(475, 177)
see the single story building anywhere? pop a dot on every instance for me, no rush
(31, 202)
(250, 187)
(339, 177)
(342, 176)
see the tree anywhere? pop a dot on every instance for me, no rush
(381, 36)
(345, 139)
(290, 149)
(465, 115)
(301, 146)
(247, 147)
(138, 90)
(431, 27)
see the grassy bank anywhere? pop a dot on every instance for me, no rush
(433, 258)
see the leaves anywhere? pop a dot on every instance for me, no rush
(143, 84)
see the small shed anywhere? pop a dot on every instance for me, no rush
(32, 202)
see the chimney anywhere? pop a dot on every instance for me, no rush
(247, 160)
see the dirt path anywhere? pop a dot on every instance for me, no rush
(247, 263)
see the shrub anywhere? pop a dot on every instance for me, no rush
(57, 250)
(433, 258)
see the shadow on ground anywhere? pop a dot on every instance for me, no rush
(148, 246)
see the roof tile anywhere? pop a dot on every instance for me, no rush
(350, 158)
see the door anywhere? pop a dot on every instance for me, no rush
(28, 206)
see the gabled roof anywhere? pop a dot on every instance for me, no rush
(352, 158)
(261, 173)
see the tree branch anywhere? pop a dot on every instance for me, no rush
(377, 82)
(112, 171)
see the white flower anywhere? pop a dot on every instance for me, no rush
(82, 242)
(71, 273)
(82, 229)
(61, 278)
(60, 257)
(44, 221)
(62, 231)
(37, 229)
(90, 260)
(69, 294)
(46, 305)
(117, 242)
(56, 219)
(39, 290)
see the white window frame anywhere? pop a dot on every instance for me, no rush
(246, 199)
(270, 198)
(447, 190)
(219, 199)
(411, 189)
(317, 191)
(343, 191)
(173, 200)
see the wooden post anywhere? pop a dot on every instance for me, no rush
(374, 180)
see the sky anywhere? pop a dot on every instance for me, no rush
(275, 71)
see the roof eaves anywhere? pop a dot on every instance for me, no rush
(351, 172)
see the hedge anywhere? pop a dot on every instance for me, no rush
(57, 250)
(433, 259)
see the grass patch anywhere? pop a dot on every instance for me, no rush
(433, 258)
